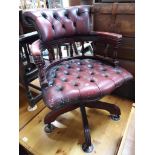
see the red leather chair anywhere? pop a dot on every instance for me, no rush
(79, 80)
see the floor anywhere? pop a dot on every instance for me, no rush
(67, 137)
(129, 136)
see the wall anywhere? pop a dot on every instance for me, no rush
(118, 18)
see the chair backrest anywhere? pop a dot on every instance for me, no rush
(66, 26)
(57, 23)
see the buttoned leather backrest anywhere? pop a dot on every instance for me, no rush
(56, 23)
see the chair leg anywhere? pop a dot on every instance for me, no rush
(112, 108)
(52, 115)
(30, 98)
(49, 118)
(49, 128)
(87, 145)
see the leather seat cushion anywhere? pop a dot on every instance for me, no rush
(81, 80)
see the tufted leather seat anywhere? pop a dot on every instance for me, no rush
(77, 81)
(81, 79)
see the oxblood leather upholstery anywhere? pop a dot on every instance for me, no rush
(52, 24)
(79, 80)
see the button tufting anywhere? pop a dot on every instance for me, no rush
(56, 68)
(51, 82)
(78, 13)
(59, 88)
(92, 73)
(75, 84)
(64, 79)
(103, 69)
(78, 76)
(74, 24)
(53, 27)
(90, 66)
(79, 84)
(44, 15)
(81, 78)
(79, 63)
(68, 66)
(53, 75)
(66, 15)
(66, 72)
(92, 80)
(78, 69)
(106, 75)
(118, 71)
(55, 16)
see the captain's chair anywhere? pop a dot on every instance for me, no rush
(82, 79)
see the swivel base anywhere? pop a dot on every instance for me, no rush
(49, 128)
(115, 117)
(87, 149)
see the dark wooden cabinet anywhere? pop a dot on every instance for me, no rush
(118, 18)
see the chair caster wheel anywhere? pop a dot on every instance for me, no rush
(115, 117)
(29, 108)
(49, 128)
(86, 148)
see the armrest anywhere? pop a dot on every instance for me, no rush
(108, 37)
(112, 39)
(35, 48)
(28, 37)
(38, 59)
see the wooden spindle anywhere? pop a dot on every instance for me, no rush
(51, 54)
(71, 50)
(75, 48)
(59, 51)
(82, 49)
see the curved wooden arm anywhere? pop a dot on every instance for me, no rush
(29, 37)
(108, 37)
(112, 39)
(38, 59)
(35, 48)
